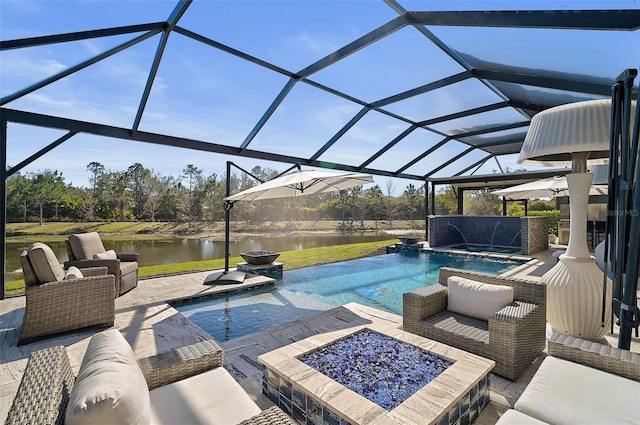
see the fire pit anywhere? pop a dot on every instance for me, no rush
(452, 389)
(259, 258)
(409, 240)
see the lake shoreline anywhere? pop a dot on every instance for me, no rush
(58, 231)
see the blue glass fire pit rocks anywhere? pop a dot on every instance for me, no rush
(379, 368)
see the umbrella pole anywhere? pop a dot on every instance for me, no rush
(227, 219)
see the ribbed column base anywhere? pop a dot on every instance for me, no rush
(574, 298)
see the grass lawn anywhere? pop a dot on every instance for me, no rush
(292, 260)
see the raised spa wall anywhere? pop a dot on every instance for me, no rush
(531, 234)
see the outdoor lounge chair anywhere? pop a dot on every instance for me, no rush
(513, 336)
(87, 250)
(187, 385)
(57, 304)
(580, 382)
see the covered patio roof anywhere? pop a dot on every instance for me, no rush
(462, 91)
(420, 94)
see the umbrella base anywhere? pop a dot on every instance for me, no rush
(223, 278)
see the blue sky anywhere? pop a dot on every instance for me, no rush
(208, 95)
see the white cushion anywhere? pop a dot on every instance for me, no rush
(73, 273)
(84, 245)
(110, 388)
(566, 393)
(108, 255)
(213, 397)
(477, 299)
(513, 417)
(44, 263)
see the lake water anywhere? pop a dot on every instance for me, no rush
(180, 250)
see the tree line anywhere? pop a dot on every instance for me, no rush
(142, 194)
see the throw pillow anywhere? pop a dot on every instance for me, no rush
(110, 388)
(45, 265)
(73, 273)
(109, 255)
(477, 299)
(84, 245)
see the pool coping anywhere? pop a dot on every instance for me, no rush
(439, 401)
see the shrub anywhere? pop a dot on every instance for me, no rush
(554, 217)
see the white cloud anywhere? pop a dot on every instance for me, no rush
(18, 64)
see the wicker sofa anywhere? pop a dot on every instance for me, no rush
(46, 388)
(87, 250)
(580, 383)
(54, 304)
(513, 336)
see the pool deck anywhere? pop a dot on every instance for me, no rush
(151, 326)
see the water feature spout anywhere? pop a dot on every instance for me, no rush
(514, 238)
(495, 227)
(459, 231)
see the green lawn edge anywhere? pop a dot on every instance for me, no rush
(296, 259)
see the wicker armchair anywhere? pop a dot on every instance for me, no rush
(513, 337)
(55, 304)
(82, 248)
(45, 388)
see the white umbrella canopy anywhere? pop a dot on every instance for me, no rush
(544, 188)
(300, 183)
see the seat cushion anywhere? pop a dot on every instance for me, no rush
(477, 299)
(460, 325)
(513, 417)
(110, 388)
(213, 397)
(45, 265)
(563, 392)
(127, 267)
(85, 245)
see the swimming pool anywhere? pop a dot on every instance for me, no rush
(374, 281)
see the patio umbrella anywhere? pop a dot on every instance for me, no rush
(544, 188)
(299, 183)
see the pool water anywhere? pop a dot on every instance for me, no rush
(374, 281)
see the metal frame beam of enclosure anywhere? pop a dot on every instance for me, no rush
(80, 35)
(423, 155)
(566, 84)
(362, 42)
(353, 121)
(446, 48)
(463, 114)
(423, 89)
(449, 162)
(40, 153)
(475, 164)
(12, 115)
(388, 146)
(3, 199)
(561, 19)
(177, 13)
(78, 67)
